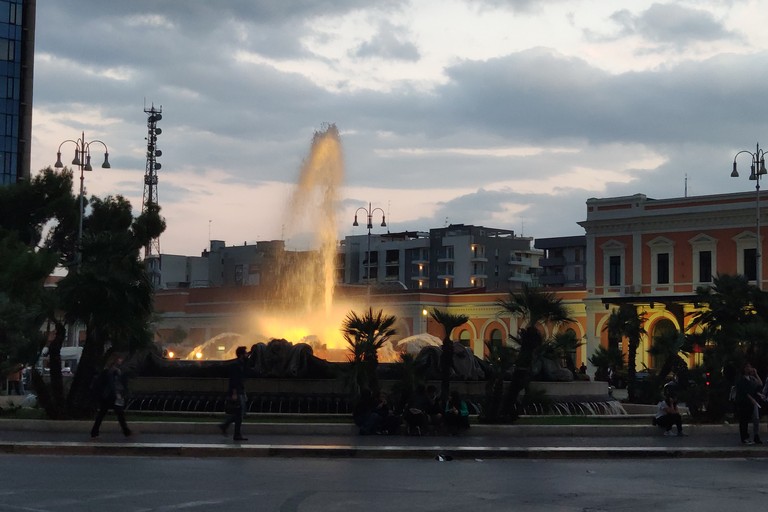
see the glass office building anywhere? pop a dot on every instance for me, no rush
(17, 52)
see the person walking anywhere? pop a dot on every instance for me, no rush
(236, 396)
(111, 389)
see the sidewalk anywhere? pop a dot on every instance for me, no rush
(202, 439)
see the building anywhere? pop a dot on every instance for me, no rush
(17, 55)
(457, 256)
(222, 265)
(656, 253)
(563, 264)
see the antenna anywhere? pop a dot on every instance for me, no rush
(150, 199)
(686, 184)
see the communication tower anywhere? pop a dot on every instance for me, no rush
(150, 200)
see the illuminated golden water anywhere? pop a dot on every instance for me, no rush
(305, 295)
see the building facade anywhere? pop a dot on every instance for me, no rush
(656, 253)
(457, 256)
(17, 54)
(563, 264)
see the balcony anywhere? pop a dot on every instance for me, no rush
(521, 261)
(520, 277)
(552, 262)
(479, 259)
(552, 280)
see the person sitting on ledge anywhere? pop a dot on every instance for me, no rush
(668, 415)
(456, 414)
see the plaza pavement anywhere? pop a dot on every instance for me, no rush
(294, 439)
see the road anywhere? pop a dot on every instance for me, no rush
(121, 484)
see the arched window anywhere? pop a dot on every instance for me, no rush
(464, 338)
(664, 328)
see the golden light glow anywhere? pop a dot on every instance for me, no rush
(198, 355)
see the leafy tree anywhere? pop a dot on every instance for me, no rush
(28, 210)
(365, 335)
(626, 322)
(110, 292)
(449, 321)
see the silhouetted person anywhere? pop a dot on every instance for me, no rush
(111, 389)
(236, 395)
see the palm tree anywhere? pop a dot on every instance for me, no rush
(666, 349)
(365, 335)
(626, 322)
(731, 327)
(536, 309)
(449, 321)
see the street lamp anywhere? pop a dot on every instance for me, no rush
(369, 212)
(83, 161)
(757, 170)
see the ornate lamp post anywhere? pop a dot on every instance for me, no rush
(757, 170)
(369, 213)
(83, 161)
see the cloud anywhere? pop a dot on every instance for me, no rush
(517, 133)
(388, 43)
(671, 24)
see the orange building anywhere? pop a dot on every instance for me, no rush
(202, 314)
(656, 253)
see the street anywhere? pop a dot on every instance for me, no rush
(117, 484)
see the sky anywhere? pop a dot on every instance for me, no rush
(503, 113)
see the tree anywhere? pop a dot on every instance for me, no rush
(365, 335)
(603, 358)
(626, 322)
(536, 310)
(730, 327)
(110, 291)
(449, 321)
(29, 209)
(666, 350)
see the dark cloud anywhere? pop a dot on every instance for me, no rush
(254, 119)
(537, 95)
(672, 24)
(390, 42)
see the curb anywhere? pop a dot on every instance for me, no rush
(346, 429)
(477, 454)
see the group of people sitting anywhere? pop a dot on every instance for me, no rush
(422, 413)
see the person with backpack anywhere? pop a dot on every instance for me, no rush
(110, 388)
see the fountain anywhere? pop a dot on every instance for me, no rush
(288, 376)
